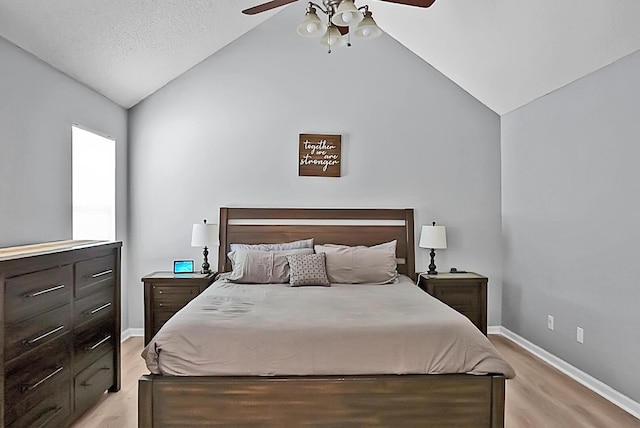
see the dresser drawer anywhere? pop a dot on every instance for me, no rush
(32, 379)
(93, 382)
(37, 331)
(91, 342)
(34, 293)
(94, 306)
(50, 410)
(94, 274)
(173, 298)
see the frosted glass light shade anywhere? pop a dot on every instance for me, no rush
(346, 14)
(434, 237)
(204, 235)
(311, 25)
(333, 38)
(367, 28)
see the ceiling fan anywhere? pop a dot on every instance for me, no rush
(343, 17)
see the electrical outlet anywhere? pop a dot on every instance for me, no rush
(580, 335)
(549, 322)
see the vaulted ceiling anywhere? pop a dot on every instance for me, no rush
(505, 53)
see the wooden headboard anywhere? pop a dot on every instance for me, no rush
(326, 225)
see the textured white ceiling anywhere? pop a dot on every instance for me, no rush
(504, 52)
(124, 49)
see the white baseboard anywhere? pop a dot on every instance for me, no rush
(131, 332)
(620, 400)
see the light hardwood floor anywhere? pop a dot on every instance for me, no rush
(539, 397)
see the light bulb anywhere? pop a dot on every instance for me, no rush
(346, 16)
(312, 27)
(366, 32)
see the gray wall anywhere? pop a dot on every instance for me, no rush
(38, 105)
(226, 134)
(571, 206)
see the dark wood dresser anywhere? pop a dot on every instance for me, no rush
(464, 292)
(60, 330)
(165, 293)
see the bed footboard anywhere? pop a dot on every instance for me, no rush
(372, 401)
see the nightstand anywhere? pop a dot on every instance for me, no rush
(464, 292)
(165, 293)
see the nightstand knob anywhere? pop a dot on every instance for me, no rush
(159, 292)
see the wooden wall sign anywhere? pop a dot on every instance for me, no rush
(319, 155)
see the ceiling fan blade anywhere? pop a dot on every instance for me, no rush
(416, 3)
(266, 6)
(343, 30)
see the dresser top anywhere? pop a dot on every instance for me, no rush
(12, 253)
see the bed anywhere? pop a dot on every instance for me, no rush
(262, 393)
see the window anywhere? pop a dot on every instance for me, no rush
(94, 185)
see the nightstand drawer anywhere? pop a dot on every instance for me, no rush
(159, 318)
(173, 298)
(166, 293)
(463, 298)
(464, 292)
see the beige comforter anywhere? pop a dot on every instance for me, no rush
(273, 329)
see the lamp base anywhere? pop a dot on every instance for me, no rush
(205, 266)
(432, 265)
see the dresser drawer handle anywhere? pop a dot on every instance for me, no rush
(54, 410)
(45, 291)
(26, 388)
(42, 336)
(98, 309)
(85, 383)
(103, 273)
(91, 348)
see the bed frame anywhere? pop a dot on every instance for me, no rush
(456, 400)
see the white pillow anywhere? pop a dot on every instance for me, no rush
(262, 267)
(360, 265)
(305, 243)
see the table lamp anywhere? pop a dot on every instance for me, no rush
(204, 235)
(434, 237)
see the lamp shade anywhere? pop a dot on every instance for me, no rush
(311, 25)
(367, 28)
(333, 38)
(204, 235)
(434, 237)
(346, 14)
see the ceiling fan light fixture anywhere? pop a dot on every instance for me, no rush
(311, 25)
(332, 38)
(346, 14)
(367, 28)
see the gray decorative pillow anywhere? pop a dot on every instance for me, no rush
(360, 265)
(261, 267)
(307, 269)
